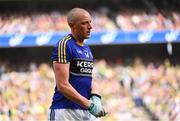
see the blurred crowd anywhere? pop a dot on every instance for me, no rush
(143, 21)
(129, 92)
(23, 23)
(155, 87)
(25, 96)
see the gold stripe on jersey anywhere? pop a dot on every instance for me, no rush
(59, 51)
(65, 50)
(62, 49)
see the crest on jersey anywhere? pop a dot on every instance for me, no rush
(86, 54)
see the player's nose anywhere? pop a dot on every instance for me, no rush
(89, 26)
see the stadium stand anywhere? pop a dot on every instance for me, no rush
(56, 22)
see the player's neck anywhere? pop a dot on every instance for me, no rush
(78, 40)
(80, 43)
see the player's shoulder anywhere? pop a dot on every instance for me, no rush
(64, 42)
(66, 39)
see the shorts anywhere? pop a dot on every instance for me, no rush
(70, 115)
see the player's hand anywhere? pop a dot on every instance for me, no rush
(96, 99)
(98, 109)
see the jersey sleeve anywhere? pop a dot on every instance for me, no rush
(61, 52)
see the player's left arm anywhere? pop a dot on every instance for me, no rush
(96, 98)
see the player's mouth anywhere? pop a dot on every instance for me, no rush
(88, 32)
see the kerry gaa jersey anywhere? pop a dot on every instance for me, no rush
(81, 66)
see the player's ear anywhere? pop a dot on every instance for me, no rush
(71, 25)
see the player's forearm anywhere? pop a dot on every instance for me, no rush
(70, 93)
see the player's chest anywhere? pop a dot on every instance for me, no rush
(84, 53)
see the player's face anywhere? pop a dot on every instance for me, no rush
(83, 26)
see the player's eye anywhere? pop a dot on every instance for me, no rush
(83, 23)
(86, 22)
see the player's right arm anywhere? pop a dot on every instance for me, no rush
(62, 80)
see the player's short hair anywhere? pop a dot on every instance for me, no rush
(73, 14)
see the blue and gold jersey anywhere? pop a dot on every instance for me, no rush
(81, 65)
